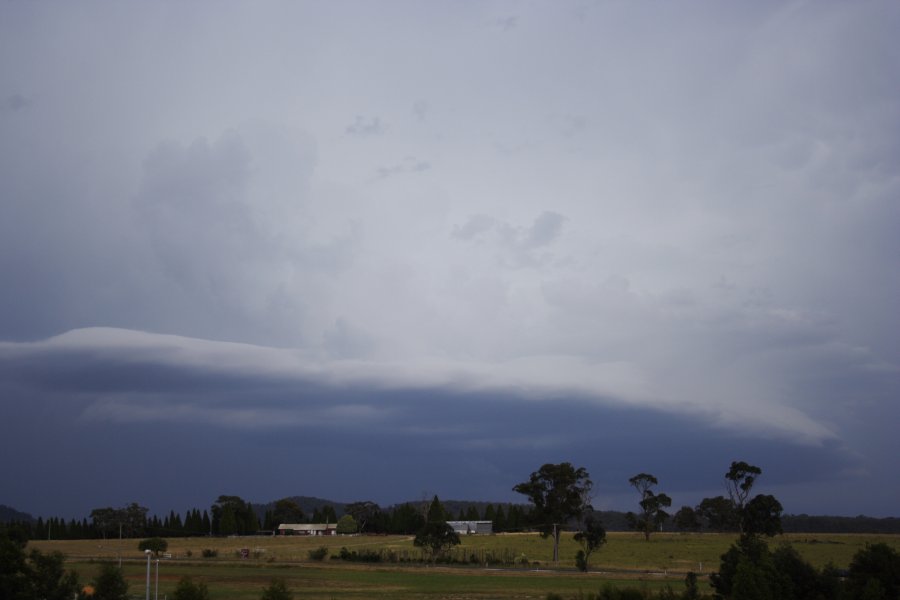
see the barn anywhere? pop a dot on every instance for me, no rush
(307, 529)
(472, 527)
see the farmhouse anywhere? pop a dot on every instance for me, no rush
(471, 527)
(307, 529)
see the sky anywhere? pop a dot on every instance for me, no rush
(385, 250)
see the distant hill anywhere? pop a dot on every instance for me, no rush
(308, 504)
(7, 514)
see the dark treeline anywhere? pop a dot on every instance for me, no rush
(231, 515)
(831, 524)
(244, 518)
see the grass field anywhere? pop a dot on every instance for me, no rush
(625, 560)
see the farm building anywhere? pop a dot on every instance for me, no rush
(470, 527)
(307, 529)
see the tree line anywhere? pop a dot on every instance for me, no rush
(232, 515)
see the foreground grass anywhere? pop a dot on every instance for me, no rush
(245, 581)
(626, 560)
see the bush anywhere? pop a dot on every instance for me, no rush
(110, 584)
(210, 553)
(875, 572)
(581, 562)
(360, 556)
(277, 590)
(188, 590)
(154, 544)
(318, 554)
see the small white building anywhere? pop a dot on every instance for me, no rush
(307, 529)
(472, 527)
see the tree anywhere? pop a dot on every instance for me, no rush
(652, 514)
(739, 482)
(692, 590)
(591, 537)
(762, 516)
(133, 518)
(188, 590)
(105, 520)
(346, 524)
(231, 515)
(437, 537)
(328, 514)
(796, 577)
(406, 519)
(749, 570)
(362, 512)
(559, 493)
(129, 520)
(35, 575)
(471, 513)
(436, 511)
(758, 516)
(277, 590)
(874, 569)
(686, 519)
(228, 524)
(718, 513)
(109, 584)
(14, 571)
(740, 570)
(50, 580)
(499, 519)
(286, 511)
(154, 544)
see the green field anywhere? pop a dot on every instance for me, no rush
(626, 560)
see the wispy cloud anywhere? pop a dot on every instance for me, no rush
(365, 127)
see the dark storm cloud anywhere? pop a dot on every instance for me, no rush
(141, 410)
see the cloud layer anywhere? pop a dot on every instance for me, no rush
(680, 213)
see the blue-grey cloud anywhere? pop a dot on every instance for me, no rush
(142, 410)
(364, 127)
(16, 102)
(505, 23)
(420, 109)
(409, 165)
(699, 222)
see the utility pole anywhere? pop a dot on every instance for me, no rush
(147, 552)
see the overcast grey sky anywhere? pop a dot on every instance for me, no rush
(381, 249)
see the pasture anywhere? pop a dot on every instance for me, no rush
(626, 560)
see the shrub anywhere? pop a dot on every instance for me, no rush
(581, 562)
(360, 556)
(318, 554)
(154, 544)
(188, 590)
(277, 590)
(210, 553)
(875, 570)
